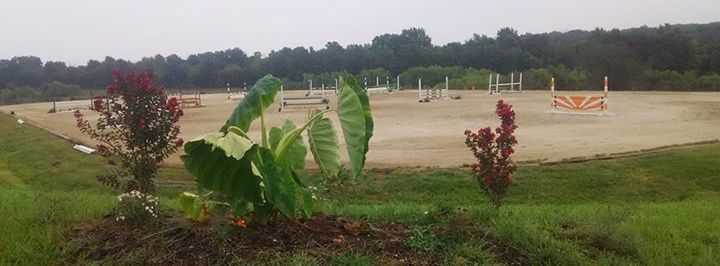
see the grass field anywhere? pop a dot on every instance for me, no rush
(659, 209)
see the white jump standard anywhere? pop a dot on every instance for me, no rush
(319, 101)
(510, 86)
(433, 94)
(314, 91)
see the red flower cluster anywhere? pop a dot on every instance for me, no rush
(98, 104)
(133, 83)
(494, 168)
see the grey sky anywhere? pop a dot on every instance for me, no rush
(77, 30)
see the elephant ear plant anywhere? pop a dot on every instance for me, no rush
(261, 180)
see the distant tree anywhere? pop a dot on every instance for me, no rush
(623, 55)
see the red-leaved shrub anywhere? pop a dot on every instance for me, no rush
(137, 126)
(494, 167)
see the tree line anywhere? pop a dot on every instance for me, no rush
(667, 57)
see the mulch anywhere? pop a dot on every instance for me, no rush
(178, 241)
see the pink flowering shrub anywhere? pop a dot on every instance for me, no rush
(137, 127)
(494, 167)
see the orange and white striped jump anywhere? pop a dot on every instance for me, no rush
(580, 104)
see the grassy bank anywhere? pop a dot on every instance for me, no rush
(46, 187)
(655, 209)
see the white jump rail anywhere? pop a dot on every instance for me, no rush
(426, 95)
(301, 101)
(497, 86)
(378, 88)
(84, 149)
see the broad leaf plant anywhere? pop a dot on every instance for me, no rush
(261, 180)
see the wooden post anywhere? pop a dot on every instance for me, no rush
(490, 84)
(605, 105)
(419, 89)
(605, 86)
(447, 87)
(520, 81)
(512, 80)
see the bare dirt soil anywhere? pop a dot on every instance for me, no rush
(408, 133)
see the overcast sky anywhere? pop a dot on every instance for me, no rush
(75, 31)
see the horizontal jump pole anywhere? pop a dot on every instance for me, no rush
(303, 98)
(506, 84)
(307, 103)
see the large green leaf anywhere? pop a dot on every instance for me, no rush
(356, 122)
(223, 163)
(279, 184)
(297, 150)
(275, 135)
(193, 206)
(261, 96)
(324, 146)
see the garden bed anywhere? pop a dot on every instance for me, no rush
(178, 241)
(173, 240)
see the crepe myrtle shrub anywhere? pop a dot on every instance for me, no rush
(492, 150)
(136, 127)
(261, 180)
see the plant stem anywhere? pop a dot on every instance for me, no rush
(284, 144)
(262, 126)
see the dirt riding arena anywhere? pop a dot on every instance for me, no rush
(408, 133)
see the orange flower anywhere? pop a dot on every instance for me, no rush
(240, 222)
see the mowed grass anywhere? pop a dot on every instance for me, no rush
(659, 209)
